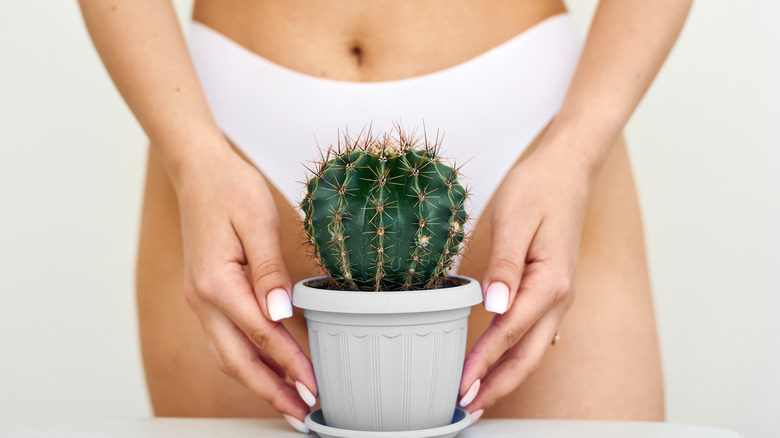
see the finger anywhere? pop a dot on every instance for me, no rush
(238, 360)
(510, 239)
(268, 360)
(271, 363)
(195, 295)
(294, 422)
(261, 239)
(506, 330)
(234, 297)
(519, 362)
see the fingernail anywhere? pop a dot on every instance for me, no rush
(497, 297)
(296, 424)
(470, 394)
(279, 305)
(476, 415)
(305, 394)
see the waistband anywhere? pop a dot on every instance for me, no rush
(208, 42)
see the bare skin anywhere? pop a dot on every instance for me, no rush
(212, 245)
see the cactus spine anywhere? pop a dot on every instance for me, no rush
(384, 213)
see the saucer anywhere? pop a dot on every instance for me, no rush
(316, 423)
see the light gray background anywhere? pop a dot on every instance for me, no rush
(703, 143)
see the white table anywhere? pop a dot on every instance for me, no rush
(272, 428)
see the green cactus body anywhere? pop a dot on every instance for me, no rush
(385, 215)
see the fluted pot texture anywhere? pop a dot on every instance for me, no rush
(388, 360)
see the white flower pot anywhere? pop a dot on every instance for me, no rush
(388, 361)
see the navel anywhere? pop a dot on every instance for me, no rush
(357, 52)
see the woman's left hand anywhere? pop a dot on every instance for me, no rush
(536, 227)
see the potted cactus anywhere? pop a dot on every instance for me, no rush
(384, 218)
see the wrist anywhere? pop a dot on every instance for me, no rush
(578, 146)
(187, 158)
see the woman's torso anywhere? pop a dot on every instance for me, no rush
(375, 40)
(382, 40)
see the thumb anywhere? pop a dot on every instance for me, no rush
(509, 244)
(262, 244)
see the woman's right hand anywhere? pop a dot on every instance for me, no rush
(228, 215)
(229, 220)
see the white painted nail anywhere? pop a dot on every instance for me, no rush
(305, 394)
(296, 424)
(476, 415)
(497, 297)
(470, 394)
(279, 305)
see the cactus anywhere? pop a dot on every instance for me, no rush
(384, 213)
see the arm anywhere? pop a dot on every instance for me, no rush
(228, 215)
(627, 43)
(142, 47)
(537, 222)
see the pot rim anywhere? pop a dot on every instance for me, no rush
(383, 302)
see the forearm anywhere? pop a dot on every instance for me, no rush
(143, 49)
(627, 43)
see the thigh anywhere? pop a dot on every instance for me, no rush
(181, 374)
(607, 362)
(606, 365)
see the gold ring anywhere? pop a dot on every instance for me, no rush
(555, 339)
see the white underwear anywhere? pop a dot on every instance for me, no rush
(489, 108)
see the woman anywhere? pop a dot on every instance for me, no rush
(220, 245)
